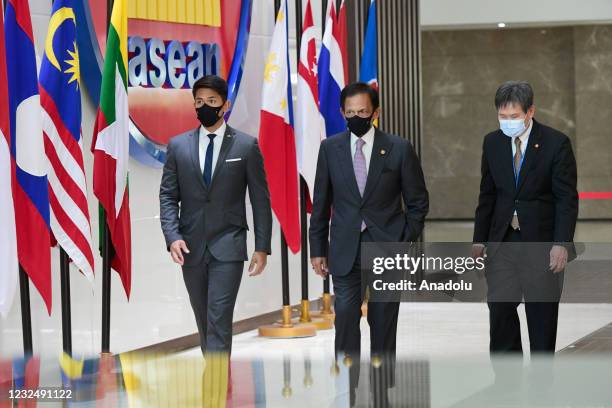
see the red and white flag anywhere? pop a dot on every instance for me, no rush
(276, 136)
(309, 124)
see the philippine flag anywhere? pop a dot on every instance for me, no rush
(276, 135)
(332, 70)
(30, 192)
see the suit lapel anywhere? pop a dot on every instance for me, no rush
(228, 140)
(530, 154)
(380, 151)
(195, 155)
(507, 161)
(346, 163)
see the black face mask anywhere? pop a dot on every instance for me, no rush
(359, 126)
(208, 115)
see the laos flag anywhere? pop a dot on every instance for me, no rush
(30, 192)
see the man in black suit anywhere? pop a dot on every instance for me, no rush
(526, 217)
(363, 176)
(203, 214)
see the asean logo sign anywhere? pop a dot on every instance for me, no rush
(171, 44)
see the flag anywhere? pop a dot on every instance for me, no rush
(342, 37)
(332, 72)
(309, 124)
(30, 191)
(9, 266)
(110, 144)
(368, 71)
(60, 98)
(26, 376)
(276, 135)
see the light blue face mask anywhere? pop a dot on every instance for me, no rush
(512, 127)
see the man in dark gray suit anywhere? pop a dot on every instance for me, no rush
(203, 215)
(363, 176)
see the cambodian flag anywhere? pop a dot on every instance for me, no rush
(332, 70)
(30, 192)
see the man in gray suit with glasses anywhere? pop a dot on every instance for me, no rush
(203, 214)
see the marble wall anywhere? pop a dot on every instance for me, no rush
(570, 69)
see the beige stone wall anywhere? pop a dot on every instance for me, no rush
(570, 69)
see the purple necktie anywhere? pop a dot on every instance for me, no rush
(361, 171)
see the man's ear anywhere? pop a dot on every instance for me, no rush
(227, 105)
(376, 114)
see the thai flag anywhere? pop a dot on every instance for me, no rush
(30, 192)
(332, 70)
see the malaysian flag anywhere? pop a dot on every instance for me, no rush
(60, 98)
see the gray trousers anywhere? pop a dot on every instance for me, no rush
(213, 287)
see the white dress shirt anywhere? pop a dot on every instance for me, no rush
(203, 145)
(368, 138)
(524, 139)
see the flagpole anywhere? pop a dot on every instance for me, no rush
(286, 328)
(106, 256)
(26, 315)
(65, 289)
(305, 312)
(326, 297)
(326, 310)
(321, 323)
(66, 313)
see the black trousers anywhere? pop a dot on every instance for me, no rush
(520, 272)
(349, 293)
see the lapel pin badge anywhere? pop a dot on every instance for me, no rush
(537, 146)
(383, 151)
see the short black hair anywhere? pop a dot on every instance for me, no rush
(357, 88)
(214, 82)
(511, 92)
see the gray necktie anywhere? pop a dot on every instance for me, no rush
(361, 171)
(518, 157)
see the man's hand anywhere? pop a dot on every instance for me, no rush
(176, 251)
(558, 258)
(478, 251)
(258, 263)
(319, 265)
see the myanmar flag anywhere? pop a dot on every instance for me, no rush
(110, 144)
